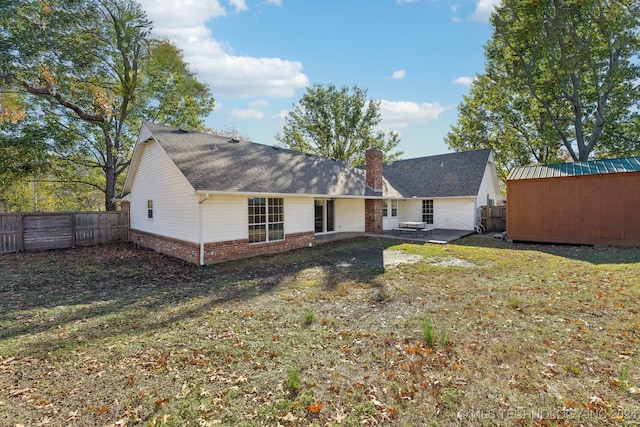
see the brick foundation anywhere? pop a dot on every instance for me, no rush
(219, 251)
(180, 249)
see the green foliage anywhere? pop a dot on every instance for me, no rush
(294, 383)
(309, 316)
(444, 338)
(428, 333)
(335, 123)
(515, 304)
(623, 378)
(88, 74)
(560, 82)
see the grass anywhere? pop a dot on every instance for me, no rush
(518, 334)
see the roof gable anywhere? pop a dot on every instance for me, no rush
(447, 175)
(592, 167)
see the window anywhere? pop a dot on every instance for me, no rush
(150, 209)
(266, 219)
(389, 208)
(394, 208)
(427, 211)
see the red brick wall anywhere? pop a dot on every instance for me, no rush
(373, 215)
(180, 249)
(373, 207)
(219, 251)
(233, 249)
(373, 168)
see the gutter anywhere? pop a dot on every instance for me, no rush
(200, 233)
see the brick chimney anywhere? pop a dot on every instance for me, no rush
(373, 175)
(373, 158)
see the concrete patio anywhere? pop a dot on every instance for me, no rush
(440, 236)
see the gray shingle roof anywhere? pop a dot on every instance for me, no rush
(214, 163)
(593, 167)
(446, 175)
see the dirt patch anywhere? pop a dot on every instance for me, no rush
(452, 262)
(394, 258)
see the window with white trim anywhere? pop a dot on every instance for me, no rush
(149, 209)
(394, 208)
(427, 211)
(389, 208)
(266, 219)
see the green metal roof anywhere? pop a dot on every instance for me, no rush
(594, 167)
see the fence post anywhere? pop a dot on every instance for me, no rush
(21, 234)
(72, 221)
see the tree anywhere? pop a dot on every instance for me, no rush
(561, 81)
(92, 74)
(512, 125)
(334, 123)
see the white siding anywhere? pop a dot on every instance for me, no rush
(410, 210)
(489, 186)
(350, 215)
(226, 217)
(448, 213)
(389, 223)
(455, 214)
(298, 214)
(175, 212)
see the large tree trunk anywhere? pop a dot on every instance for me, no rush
(110, 174)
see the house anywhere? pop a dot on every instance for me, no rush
(206, 198)
(591, 203)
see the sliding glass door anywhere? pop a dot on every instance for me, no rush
(324, 215)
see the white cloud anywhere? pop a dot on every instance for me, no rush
(454, 13)
(275, 2)
(399, 114)
(398, 75)
(228, 75)
(464, 80)
(282, 114)
(484, 9)
(247, 114)
(259, 103)
(239, 5)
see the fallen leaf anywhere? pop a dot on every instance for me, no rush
(315, 408)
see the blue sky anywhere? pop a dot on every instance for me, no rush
(417, 57)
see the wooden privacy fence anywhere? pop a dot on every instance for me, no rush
(494, 218)
(41, 231)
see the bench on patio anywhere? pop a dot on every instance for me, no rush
(427, 231)
(402, 230)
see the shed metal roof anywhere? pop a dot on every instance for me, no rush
(593, 167)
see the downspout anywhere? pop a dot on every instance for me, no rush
(200, 232)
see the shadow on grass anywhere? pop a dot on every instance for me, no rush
(595, 255)
(109, 290)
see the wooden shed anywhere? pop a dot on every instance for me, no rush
(591, 203)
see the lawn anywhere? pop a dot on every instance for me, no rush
(481, 332)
